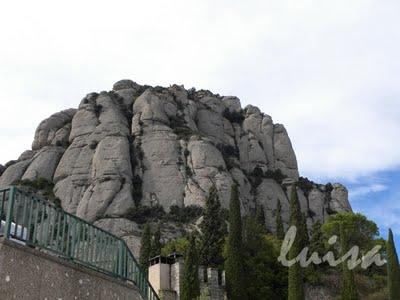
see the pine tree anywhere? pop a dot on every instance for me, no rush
(213, 230)
(156, 244)
(348, 290)
(280, 232)
(295, 289)
(393, 269)
(234, 266)
(190, 288)
(145, 249)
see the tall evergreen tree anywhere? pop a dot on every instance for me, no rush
(266, 277)
(393, 269)
(317, 238)
(313, 272)
(190, 288)
(145, 249)
(295, 280)
(348, 290)
(213, 230)
(234, 266)
(280, 232)
(156, 244)
(304, 231)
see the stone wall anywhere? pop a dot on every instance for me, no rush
(26, 273)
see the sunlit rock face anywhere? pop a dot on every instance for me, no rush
(145, 145)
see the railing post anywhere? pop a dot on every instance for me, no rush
(120, 258)
(10, 208)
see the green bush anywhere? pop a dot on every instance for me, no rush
(277, 175)
(184, 214)
(233, 116)
(183, 132)
(42, 185)
(228, 150)
(305, 185)
(142, 214)
(98, 109)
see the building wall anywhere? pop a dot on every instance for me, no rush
(28, 274)
(159, 277)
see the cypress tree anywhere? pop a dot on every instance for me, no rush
(304, 231)
(190, 288)
(213, 230)
(234, 265)
(393, 269)
(313, 272)
(295, 278)
(348, 291)
(156, 244)
(316, 239)
(145, 249)
(280, 232)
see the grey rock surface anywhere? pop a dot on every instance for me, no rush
(166, 146)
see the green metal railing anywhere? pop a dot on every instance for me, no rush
(41, 224)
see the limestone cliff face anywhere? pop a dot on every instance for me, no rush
(167, 146)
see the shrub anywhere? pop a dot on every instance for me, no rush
(98, 109)
(305, 185)
(191, 93)
(175, 121)
(184, 214)
(228, 150)
(189, 172)
(43, 186)
(64, 144)
(277, 175)
(141, 214)
(183, 133)
(234, 116)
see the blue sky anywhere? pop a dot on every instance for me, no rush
(328, 70)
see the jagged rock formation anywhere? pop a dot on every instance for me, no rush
(166, 146)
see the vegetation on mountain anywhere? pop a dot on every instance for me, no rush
(213, 231)
(234, 266)
(295, 277)
(145, 249)
(393, 269)
(190, 287)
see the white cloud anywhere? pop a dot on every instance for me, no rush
(365, 190)
(327, 70)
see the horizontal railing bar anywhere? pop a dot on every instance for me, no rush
(40, 223)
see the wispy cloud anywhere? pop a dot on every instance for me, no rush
(327, 70)
(365, 190)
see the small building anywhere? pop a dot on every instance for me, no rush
(165, 275)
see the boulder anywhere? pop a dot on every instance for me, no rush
(48, 131)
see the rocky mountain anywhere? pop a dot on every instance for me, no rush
(166, 146)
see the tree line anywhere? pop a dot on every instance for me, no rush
(247, 252)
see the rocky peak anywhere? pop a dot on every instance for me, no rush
(166, 146)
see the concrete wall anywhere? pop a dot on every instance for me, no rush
(159, 277)
(29, 274)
